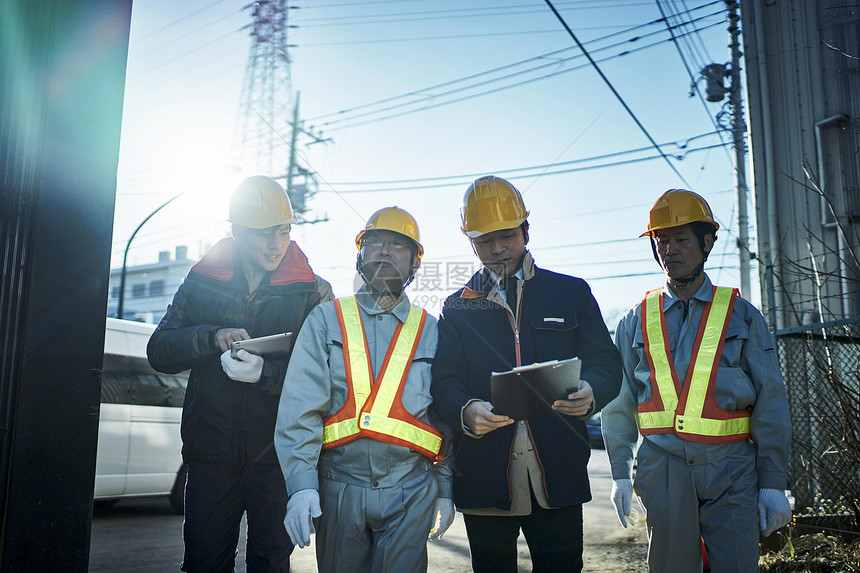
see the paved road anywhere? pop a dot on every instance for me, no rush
(145, 536)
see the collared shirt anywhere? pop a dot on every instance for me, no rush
(748, 376)
(315, 387)
(497, 282)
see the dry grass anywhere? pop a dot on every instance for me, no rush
(815, 552)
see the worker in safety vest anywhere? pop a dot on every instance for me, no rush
(354, 435)
(702, 387)
(528, 475)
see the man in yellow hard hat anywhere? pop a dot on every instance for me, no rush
(354, 435)
(526, 475)
(702, 390)
(255, 283)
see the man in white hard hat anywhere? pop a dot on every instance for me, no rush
(354, 434)
(702, 390)
(255, 283)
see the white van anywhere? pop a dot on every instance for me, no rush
(139, 449)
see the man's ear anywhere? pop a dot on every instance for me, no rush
(709, 244)
(525, 232)
(238, 232)
(416, 264)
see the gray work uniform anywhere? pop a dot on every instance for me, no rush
(692, 489)
(377, 499)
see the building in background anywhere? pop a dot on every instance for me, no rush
(150, 287)
(803, 73)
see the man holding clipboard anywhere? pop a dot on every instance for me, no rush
(253, 284)
(528, 475)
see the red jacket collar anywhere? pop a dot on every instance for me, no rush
(217, 263)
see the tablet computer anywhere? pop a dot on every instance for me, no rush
(264, 345)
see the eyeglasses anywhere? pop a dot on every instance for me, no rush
(394, 244)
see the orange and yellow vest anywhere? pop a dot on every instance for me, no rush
(690, 411)
(374, 407)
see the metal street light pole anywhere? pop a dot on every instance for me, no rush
(119, 307)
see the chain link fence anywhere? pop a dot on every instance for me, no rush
(821, 367)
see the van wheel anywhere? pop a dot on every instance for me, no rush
(177, 494)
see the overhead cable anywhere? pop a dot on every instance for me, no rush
(615, 92)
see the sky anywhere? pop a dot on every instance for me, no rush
(414, 99)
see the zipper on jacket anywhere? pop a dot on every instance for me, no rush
(516, 327)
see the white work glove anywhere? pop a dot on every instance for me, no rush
(444, 517)
(622, 494)
(774, 511)
(246, 367)
(303, 505)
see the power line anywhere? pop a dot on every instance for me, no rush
(632, 275)
(162, 45)
(539, 57)
(617, 95)
(515, 177)
(676, 41)
(349, 115)
(680, 144)
(331, 125)
(182, 19)
(459, 13)
(700, 50)
(447, 37)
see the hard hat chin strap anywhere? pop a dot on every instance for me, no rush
(376, 291)
(687, 280)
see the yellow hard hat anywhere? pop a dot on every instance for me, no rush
(678, 207)
(393, 219)
(259, 202)
(491, 204)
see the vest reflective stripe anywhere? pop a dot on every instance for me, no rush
(356, 357)
(694, 416)
(381, 414)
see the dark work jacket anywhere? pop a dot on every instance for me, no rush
(226, 421)
(476, 337)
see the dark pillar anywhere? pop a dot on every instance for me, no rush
(62, 74)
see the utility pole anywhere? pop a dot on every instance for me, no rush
(739, 129)
(716, 90)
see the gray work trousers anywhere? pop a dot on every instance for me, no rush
(688, 499)
(375, 530)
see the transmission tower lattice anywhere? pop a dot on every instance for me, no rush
(267, 120)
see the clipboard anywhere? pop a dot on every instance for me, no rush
(529, 391)
(264, 345)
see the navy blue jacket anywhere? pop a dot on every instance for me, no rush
(476, 337)
(225, 421)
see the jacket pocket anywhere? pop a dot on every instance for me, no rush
(555, 337)
(424, 354)
(554, 323)
(736, 337)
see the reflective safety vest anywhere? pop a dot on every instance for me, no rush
(374, 408)
(690, 411)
